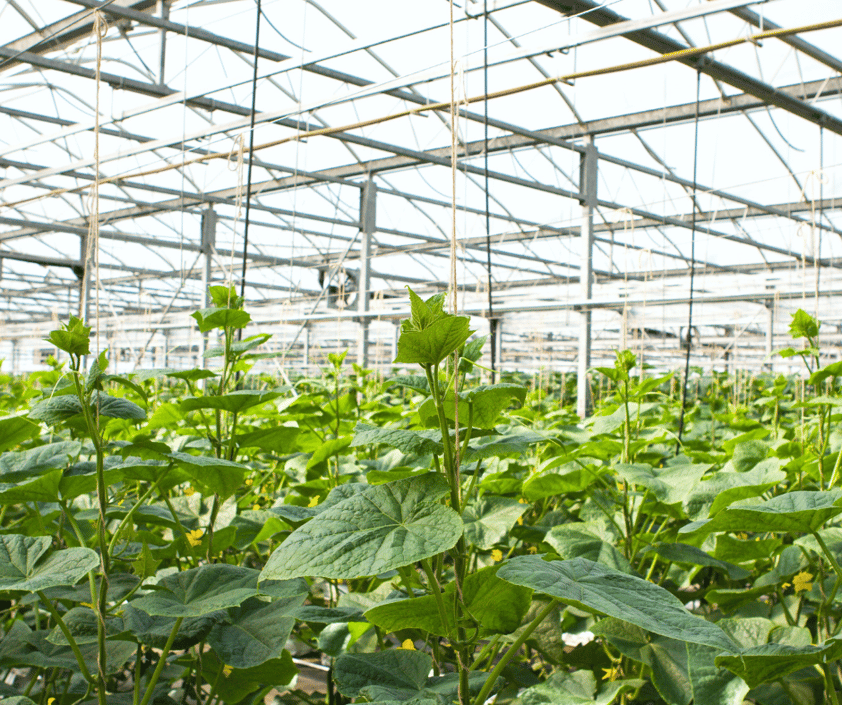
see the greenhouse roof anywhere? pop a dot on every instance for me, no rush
(696, 142)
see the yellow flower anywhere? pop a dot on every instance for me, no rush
(194, 538)
(86, 604)
(742, 536)
(314, 501)
(520, 521)
(256, 506)
(611, 674)
(408, 645)
(190, 491)
(227, 670)
(50, 701)
(784, 586)
(533, 549)
(497, 555)
(523, 500)
(249, 482)
(803, 582)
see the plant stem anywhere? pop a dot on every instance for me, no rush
(512, 650)
(83, 668)
(150, 686)
(436, 590)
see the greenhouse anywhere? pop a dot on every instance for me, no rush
(476, 352)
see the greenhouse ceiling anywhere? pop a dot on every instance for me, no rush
(614, 162)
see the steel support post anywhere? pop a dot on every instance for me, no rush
(587, 197)
(164, 13)
(395, 336)
(368, 217)
(306, 361)
(498, 342)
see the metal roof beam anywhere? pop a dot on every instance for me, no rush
(655, 41)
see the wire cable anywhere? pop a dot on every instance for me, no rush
(692, 264)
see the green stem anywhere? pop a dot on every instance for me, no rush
(436, 590)
(74, 647)
(833, 562)
(830, 689)
(150, 686)
(512, 650)
(129, 515)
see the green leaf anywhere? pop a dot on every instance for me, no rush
(42, 489)
(666, 657)
(583, 540)
(487, 401)
(400, 670)
(327, 450)
(721, 489)
(154, 631)
(803, 325)
(212, 475)
(576, 688)
(796, 512)
(435, 342)
(670, 484)
(409, 442)
(278, 439)
(497, 605)
(200, 591)
(684, 553)
(117, 407)
(240, 683)
(378, 529)
(239, 346)
(30, 463)
(210, 318)
(56, 410)
(14, 430)
(22, 567)
(557, 479)
(255, 632)
(771, 662)
(834, 369)
(509, 445)
(418, 383)
(73, 337)
(82, 623)
(193, 375)
(592, 586)
(489, 518)
(234, 402)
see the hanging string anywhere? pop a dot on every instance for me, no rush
(251, 161)
(692, 264)
(100, 28)
(454, 304)
(492, 325)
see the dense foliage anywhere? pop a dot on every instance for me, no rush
(179, 536)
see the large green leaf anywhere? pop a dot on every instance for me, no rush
(410, 442)
(212, 475)
(56, 410)
(22, 567)
(559, 478)
(210, 318)
(200, 591)
(36, 461)
(42, 489)
(796, 512)
(684, 553)
(397, 675)
(487, 402)
(595, 587)
(435, 342)
(255, 632)
(236, 402)
(584, 540)
(576, 688)
(278, 439)
(15, 430)
(489, 518)
(155, 631)
(497, 606)
(82, 623)
(241, 685)
(666, 657)
(721, 489)
(378, 529)
(117, 407)
(770, 662)
(669, 484)
(509, 445)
